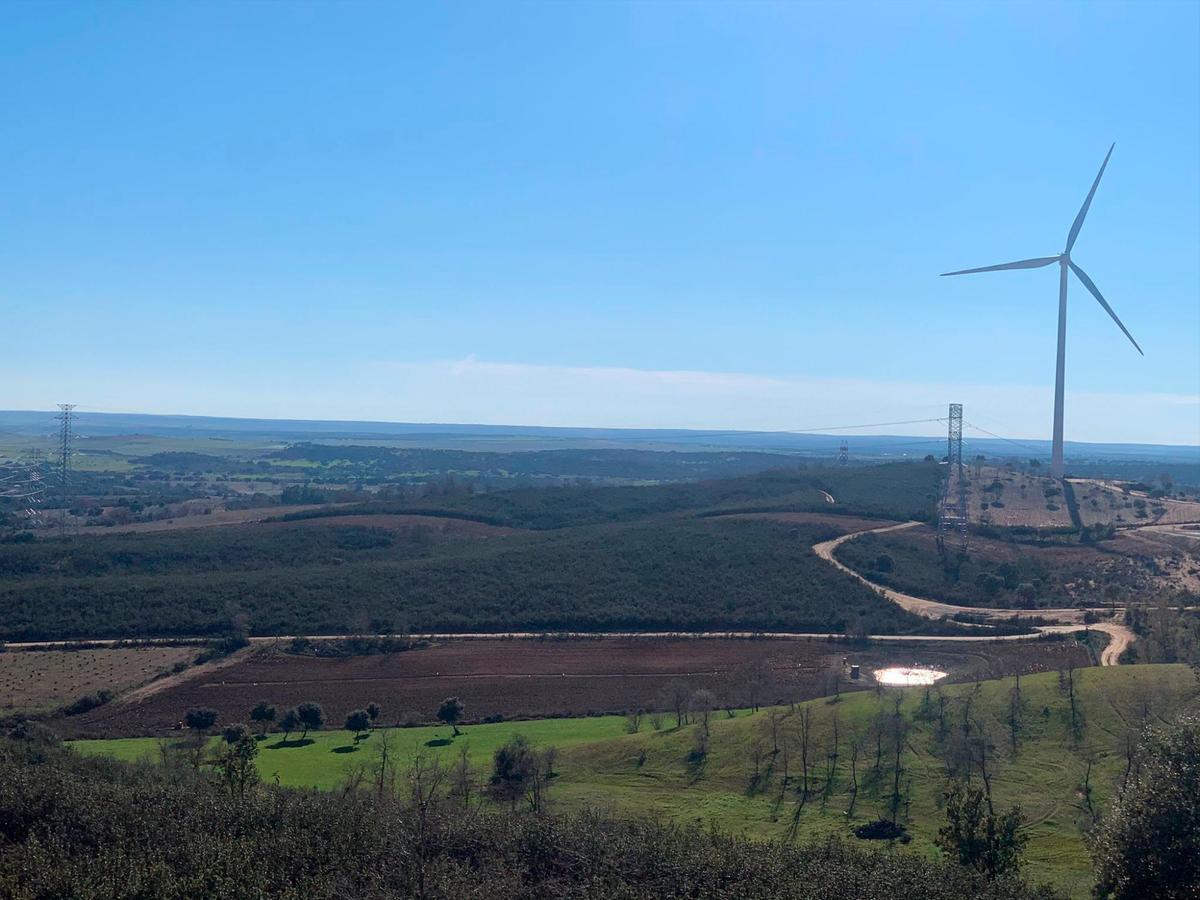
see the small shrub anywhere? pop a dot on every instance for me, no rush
(231, 734)
(882, 830)
(87, 702)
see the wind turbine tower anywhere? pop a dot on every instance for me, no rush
(1064, 263)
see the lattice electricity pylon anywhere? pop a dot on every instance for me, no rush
(954, 439)
(844, 454)
(953, 529)
(953, 532)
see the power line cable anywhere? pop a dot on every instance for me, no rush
(1000, 437)
(733, 432)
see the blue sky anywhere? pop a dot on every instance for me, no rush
(657, 214)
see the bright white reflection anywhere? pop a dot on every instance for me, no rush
(899, 675)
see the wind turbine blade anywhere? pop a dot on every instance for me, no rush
(1091, 286)
(1083, 210)
(1021, 264)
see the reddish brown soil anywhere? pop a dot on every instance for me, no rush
(439, 524)
(217, 517)
(547, 677)
(260, 515)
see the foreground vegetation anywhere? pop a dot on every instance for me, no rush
(1058, 746)
(86, 827)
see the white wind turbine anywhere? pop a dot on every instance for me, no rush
(1064, 262)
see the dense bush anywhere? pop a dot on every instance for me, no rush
(497, 467)
(69, 826)
(1148, 844)
(897, 490)
(687, 574)
(996, 573)
(87, 702)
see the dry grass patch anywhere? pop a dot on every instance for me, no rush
(39, 680)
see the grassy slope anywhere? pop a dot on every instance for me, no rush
(651, 772)
(1043, 776)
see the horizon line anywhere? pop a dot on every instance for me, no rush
(694, 431)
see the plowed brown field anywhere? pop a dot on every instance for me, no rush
(535, 678)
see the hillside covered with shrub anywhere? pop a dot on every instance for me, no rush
(93, 827)
(586, 559)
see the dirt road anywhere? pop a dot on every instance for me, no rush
(574, 635)
(1120, 637)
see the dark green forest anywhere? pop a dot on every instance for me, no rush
(91, 827)
(635, 465)
(894, 491)
(590, 559)
(687, 574)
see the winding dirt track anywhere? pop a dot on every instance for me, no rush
(1120, 637)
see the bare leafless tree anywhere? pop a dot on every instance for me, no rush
(775, 718)
(702, 704)
(804, 720)
(536, 794)
(833, 682)
(785, 754)
(1130, 756)
(898, 734)
(1076, 717)
(983, 748)
(1086, 788)
(1014, 715)
(878, 730)
(831, 759)
(856, 747)
(462, 777)
(758, 678)
(757, 751)
(942, 701)
(676, 699)
(424, 779)
(383, 769)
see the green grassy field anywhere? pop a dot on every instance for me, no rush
(1045, 775)
(658, 772)
(325, 758)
